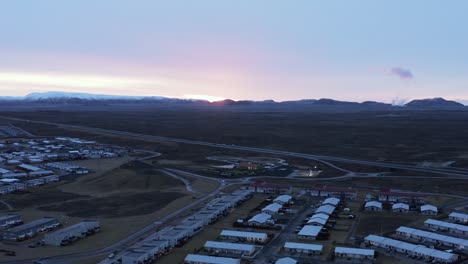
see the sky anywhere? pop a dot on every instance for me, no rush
(246, 49)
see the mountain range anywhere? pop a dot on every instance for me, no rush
(58, 97)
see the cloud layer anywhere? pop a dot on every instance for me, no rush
(402, 73)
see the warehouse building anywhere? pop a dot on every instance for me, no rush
(400, 208)
(354, 253)
(428, 209)
(9, 220)
(303, 248)
(29, 230)
(458, 218)
(425, 236)
(201, 259)
(244, 236)
(309, 232)
(72, 233)
(230, 248)
(447, 226)
(373, 206)
(411, 250)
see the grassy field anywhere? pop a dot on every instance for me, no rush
(124, 199)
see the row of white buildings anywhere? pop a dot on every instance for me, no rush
(171, 236)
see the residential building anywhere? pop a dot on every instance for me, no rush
(354, 253)
(303, 248)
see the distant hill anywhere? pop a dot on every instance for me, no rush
(56, 99)
(58, 94)
(434, 103)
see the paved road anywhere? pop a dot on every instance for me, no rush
(402, 166)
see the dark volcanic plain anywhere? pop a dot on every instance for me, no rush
(404, 136)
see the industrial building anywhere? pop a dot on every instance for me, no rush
(201, 259)
(244, 236)
(230, 248)
(354, 253)
(29, 230)
(458, 218)
(411, 250)
(69, 234)
(303, 248)
(447, 226)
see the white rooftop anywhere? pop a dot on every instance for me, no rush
(303, 246)
(411, 247)
(331, 200)
(326, 209)
(446, 225)
(355, 251)
(235, 233)
(210, 259)
(373, 204)
(459, 215)
(260, 218)
(274, 207)
(400, 206)
(434, 236)
(317, 220)
(309, 230)
(226, 245)
(428, 207)
(283, 198)
(286, 260)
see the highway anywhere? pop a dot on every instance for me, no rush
(444, 171)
